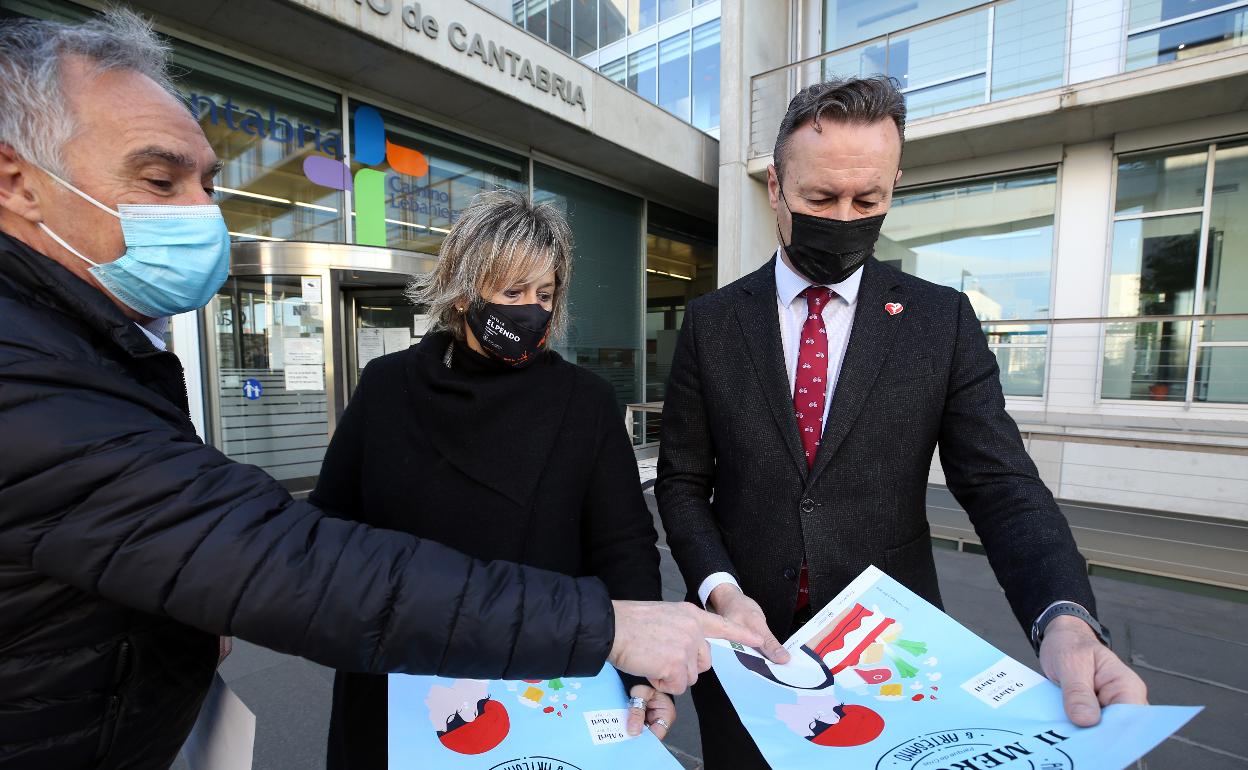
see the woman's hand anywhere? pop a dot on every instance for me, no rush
(660, 711)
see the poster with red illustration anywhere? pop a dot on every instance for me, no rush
(476, 724)
(881, 680)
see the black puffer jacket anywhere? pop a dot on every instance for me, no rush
(126, 546)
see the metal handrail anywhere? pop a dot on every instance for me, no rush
(1119, 319)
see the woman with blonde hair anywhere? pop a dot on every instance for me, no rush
(482, 438)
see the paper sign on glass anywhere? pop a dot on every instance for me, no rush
(396, 340)
(554, 724)
(368, 345)
(305, 377)
(882, 680)
(297, 351)
(310, 286)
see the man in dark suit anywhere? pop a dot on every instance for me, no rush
(805, 402)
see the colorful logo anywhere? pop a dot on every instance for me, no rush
(372, 148)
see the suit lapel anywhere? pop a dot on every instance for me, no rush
(760, 325)
(870, 341)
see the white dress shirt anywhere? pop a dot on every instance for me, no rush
(838, 320)
(155, 331)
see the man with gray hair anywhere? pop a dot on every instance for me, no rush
(128, 546)
(805, 403)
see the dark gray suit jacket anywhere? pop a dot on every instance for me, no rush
(734, 491)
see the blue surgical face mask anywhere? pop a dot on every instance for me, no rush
(176, 258)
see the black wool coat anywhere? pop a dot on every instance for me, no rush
(529, 465)
(127, 546)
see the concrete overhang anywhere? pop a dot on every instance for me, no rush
(350, 44)
(1211, 86)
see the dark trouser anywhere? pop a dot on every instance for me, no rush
(725, 743)
(358, 732)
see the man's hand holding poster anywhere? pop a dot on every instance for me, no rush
(882, 680)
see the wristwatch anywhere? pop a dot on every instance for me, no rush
(1066, 608)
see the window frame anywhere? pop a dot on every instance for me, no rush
(1129, 32)
(1198, 315)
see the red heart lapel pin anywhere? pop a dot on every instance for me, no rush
(893, 308)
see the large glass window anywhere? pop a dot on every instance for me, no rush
(411, 181)
(1010, 49)
(1161, 31)
(850, 21)
(1179, 350)
(1153, 268)
(616, 70)
(584, 27)
(264, 128)
(705, 71)
(642, 76)
(674, 75)
(1028, 47)
(1161, 181)
(604, 332)
(681, 261)
(941, 67)
(561, 25)
(642, 14)
(1152, 272)
(680, 73)
(612, 21)
(535, 18)
(993, 240)
(1222, 364)
(669, 8)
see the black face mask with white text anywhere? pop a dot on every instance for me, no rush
(828, 251)
(514, 334)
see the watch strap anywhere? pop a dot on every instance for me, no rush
(1057, 609)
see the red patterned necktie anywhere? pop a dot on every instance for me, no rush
(810, 392)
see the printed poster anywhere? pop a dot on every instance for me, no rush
(882, 680)
(532, 724)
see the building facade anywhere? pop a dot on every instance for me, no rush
(1079, 168)
(666, 51)
(353, 134)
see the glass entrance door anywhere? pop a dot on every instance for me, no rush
(285, 340)
(270, 395)
(381, 321)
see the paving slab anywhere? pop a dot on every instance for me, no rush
(1221, 729)
(1196, 657)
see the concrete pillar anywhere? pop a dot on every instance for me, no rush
(754, 37)
(1083, 227)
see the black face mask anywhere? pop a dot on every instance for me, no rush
(514, 334)
(829, 250)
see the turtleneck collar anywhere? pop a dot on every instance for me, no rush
(493, 422)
